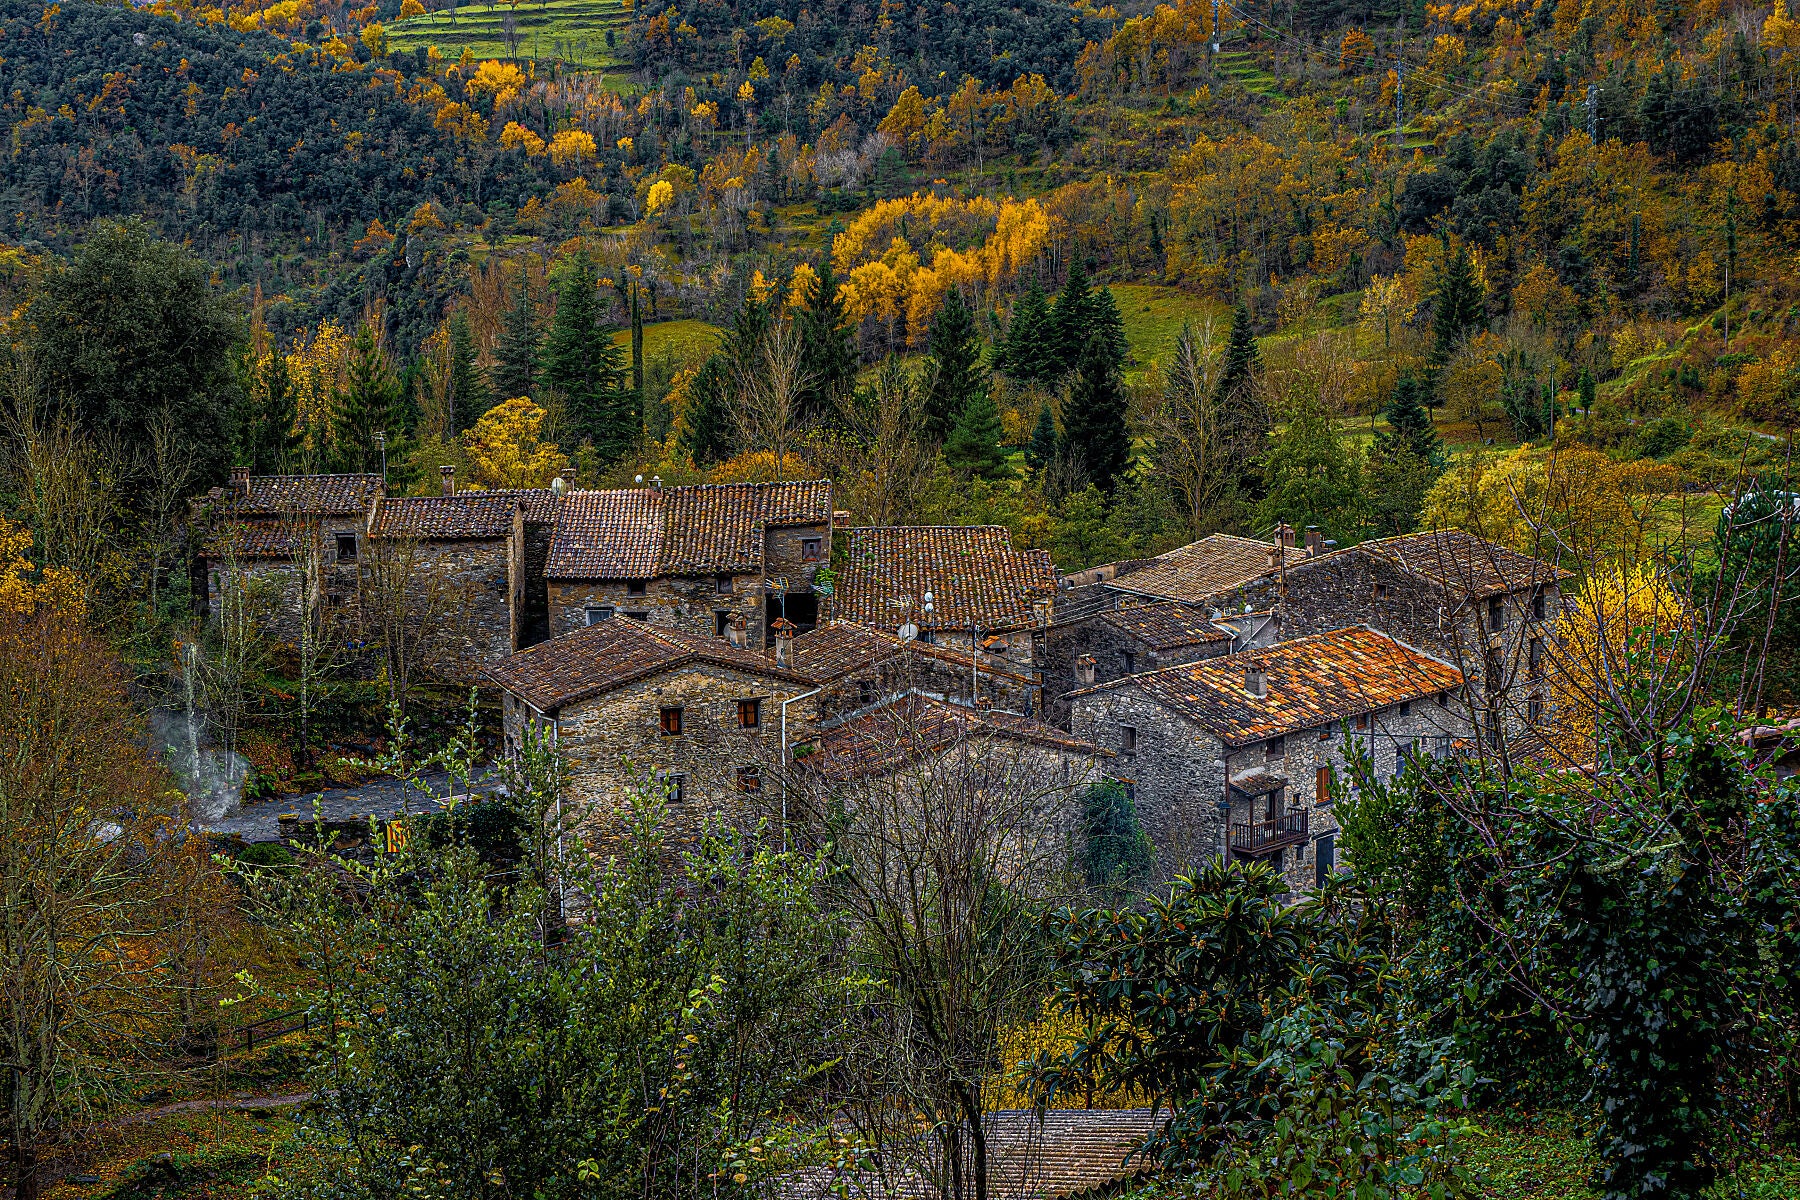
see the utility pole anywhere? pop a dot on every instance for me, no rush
(1593, 107)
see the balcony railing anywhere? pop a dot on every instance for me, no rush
(1262, 837)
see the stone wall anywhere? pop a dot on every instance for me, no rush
(1108, 644)
(534, 611)
(486, 579)
(923, 673)
(277, 582)
(685, 603)
(1022, 654)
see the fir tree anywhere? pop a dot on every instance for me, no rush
(1094, 418)
(1104, 321)
(582, 362)
(701, 419)
(371, 394)
(516, 365)
(1045, 444)
(1409, 424)
(1456, 309)
(1243, 418)
(957, 377)
(1028, 352)
(1071, 320)
(973, 446)
(266, 437)
(829, 358)
(469, 396)
(1242, 358)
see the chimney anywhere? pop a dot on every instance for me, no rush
(240, 480)
(1254, 681)
(1287, 535)
(449, 474)
(1084, 670)
(784, 642)
(1314, 540)
(1274, 557)
(737, 630)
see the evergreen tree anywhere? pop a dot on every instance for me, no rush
(1117, 852)
(582, 362)
(1243, 419)
(1313, 477)
(469, 396)
(1105, 322)
(829, 361)
(1094, 418)
(266, 437)
(1044, 444)
(1242, 358)
(973, 446)
(1457, 309)
(1071, 320)
(516, 366)
(702, 419)
(371, 395)
(1409, 424)
(957, 378)
(1028, 354)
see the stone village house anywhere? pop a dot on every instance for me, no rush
(1244, 756)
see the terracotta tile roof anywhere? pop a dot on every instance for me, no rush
(1031, 1156)
(642, 533)
(1462, 563)
(1310, 681)
(319, 495)
(265, 538)
(611, 653)
(1165, 626)
(1203, 569)
(839, 648)
(446, 518)
(541, 504)
(972, 571)
(886, 738)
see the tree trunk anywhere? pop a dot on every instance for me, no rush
(971, 1105)
(25, 1158)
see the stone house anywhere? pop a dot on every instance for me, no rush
(858, 667)
(1245, 755)
(983, 592)
(1464, 599)
(460, 560)
(641, 704)
(1112, 643)
(295, 537)
(1198, 573)
(691, 558)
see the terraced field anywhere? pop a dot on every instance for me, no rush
(572, 31)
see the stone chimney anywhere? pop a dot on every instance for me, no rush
(737, 630)
(1287, 535)
(1315, 541)
(1255, 682)
(1084, 670)
(449, 474)
(784, 642)
(1274, 557)
(240, 480)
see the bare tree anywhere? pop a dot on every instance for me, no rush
(882, 466)
(172, 463)
(236, 652)
(322, 631)
(769, 392)
(68, 485)
(414, 616)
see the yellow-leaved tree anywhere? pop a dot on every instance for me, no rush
(24, 589)
(1622, 631)
(506, 451)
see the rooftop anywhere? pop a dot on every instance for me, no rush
(1200, 570)
(1309, 682)
(1462, 563)
(312, 495)
(446, 518)
(703, 529)
(840, 648)
(886, 738)
(972, 572)
(1165, 625)
(609, 654)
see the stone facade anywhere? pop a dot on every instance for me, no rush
(485, 582)
(920, 671)
(1117, 647)
(274, 563)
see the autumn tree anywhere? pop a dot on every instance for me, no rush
(507, 451)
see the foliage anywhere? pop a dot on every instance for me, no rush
(973, 446)
(506, 450)
(1094, 417)
(585, 367)
(956, 377)
(1116, 852)
(1756, 563)
(1312, 477)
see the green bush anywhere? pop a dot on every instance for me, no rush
(266, 854)
(1116, 852)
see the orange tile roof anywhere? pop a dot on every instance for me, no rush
(1214, 564)
(1165, 625)
(839, 648)
(1310, 681)
(611, 653)
(886, 738)
(972, 571)
(465, 515)
(643, 533)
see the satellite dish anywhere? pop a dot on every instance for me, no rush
(559, 486)
(908, 632)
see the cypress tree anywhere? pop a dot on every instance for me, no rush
(516, 366)
(957, 377)
(1456, 307)
(829, 359)
(1072, 319)
(1094, 419)
(1044, 444)
(1027, 353)
(582, 362)
(973, 446)
(469, 396)
(1409, 425)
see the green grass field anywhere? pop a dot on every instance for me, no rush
(688, 341)
(1153, 316)
(573, 31)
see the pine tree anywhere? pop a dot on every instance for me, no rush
(1104, 321)
(267, 440)
(1072, 319)
(973, 445)
(1243, 418)
(371, 393)
(469, 396)
(829, 360)
(1045, 444)
(582, 362)
(1409, 424)
(1457, 309)
(1027, 352)
(516, 367)
(703, 433)
(1094, 419)
(957, 377)
(1242, 358)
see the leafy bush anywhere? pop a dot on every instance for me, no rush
(1116, 852)
(266, 854)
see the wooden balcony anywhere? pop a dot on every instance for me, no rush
(1268, 836)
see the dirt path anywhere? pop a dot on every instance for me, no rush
(235, 1102)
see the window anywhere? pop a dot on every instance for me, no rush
(634, 587)
(1443, 699)
(927, 637)
(809, 549)
(750, 714)
(865, 692)
(1493, 726)
(1128, 739)
(1534, 658)
(1538, 601)
(1403, 709)
(596, 613)
(1362, 720)
(722, 585)
(671, 722)
(1322, 786)
(1380, 592)
(1274, 749)
(674, 786)
(1493, 673)
(721, 622)
(1324, 733)
(1496, 612)
(749, 779)
(638, 616)
(346, 547)
(1534, 709)
(334, 599)
(1129, 660)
